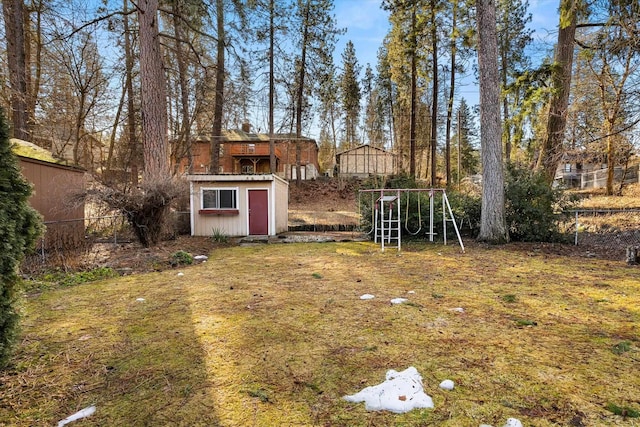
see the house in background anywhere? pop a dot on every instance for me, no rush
(238, 205)
(365, 160)
(583, 171)
(54, 186)
(244, 152)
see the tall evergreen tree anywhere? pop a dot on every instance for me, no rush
(328, 94)
(317, 32)
(351, 93)
(466, 155)
(20, 226)
(385, 99)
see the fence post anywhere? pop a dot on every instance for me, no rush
(576, 238)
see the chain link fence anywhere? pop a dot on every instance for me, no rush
(78, 235)
(609, 229)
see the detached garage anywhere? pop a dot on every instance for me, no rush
(238, 205)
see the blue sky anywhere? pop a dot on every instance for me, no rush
(367, 25)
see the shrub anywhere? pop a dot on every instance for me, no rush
(20, 227)
(533, 208)
(181, 258)
(466, 211)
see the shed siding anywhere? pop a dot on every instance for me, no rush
(281, 206)
(53, 191)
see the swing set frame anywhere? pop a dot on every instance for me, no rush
(382, 193)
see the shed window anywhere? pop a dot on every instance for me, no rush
(219, 198)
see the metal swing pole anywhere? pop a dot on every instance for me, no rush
(431, 215)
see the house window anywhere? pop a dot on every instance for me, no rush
(251, 148)
(567, 167)
(247, 169)
(219, 198)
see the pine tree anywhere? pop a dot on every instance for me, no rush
(350, 93)
(20, 226)
(465, 140)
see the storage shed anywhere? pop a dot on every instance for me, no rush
(55, 185)
(365, 160)
(238, 205)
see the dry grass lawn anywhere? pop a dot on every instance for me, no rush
(276, 335)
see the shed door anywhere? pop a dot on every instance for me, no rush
(258, 212)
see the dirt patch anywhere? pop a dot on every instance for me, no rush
(324, 195)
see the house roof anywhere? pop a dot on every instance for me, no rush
(31, 151)
(363, 146)
(238, 135)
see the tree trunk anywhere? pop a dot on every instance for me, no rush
(272, 144)
(300, 89)
(412, 124)
(434, 94)
(16, 60)
(131, 109)
(452, 82)
(551, 150)
(153, 96)
(106, 176)
(185, 128)
(33, 84)
(216, 132)
(493, 226)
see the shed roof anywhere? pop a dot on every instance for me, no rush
(364, 146)
(31, 151)
(234, 178)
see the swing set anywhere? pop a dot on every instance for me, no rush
(386, 214)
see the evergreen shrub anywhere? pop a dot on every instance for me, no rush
(20, 227)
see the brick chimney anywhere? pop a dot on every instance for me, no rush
(246, 127)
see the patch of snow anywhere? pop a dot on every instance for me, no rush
(447, 385)
(411, 292)
(180, 274)
(367, 296)
(90, 410)
(401, 392)
(140, 299)
(398, 300)
(458, 310)
(201, 257)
